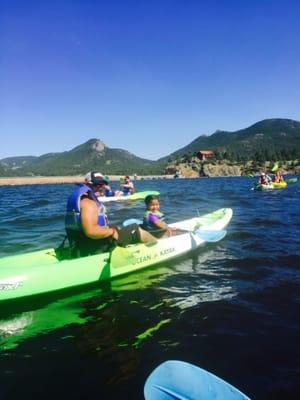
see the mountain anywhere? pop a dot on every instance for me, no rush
(270, 138)
(17, 162)
(92, 155)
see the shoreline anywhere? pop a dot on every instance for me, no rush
(43, 180)
(52, 180)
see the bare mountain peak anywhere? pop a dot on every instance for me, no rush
(94, 145)
(98, 146)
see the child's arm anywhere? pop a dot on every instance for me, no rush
(162, 225)
(157, 222)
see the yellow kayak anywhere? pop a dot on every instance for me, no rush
(270, 186)
(279, 185)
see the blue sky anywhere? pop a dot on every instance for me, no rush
(145, 76)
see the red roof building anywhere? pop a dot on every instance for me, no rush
(205, 154)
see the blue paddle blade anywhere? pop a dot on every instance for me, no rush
(210, 236)
(173, 380)
(132, 221)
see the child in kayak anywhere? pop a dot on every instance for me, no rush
(278, 177)
(154, 220)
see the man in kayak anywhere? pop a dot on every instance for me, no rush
(87, 226)
(264, 179)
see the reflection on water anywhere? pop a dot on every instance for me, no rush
(31, 323)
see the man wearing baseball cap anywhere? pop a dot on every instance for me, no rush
(87, 225)
(95, 178)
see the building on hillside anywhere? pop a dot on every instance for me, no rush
(205, 154)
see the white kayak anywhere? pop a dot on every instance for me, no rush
(135, 196)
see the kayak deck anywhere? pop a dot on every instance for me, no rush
(271, 186)
(135, 196)
(42, 272)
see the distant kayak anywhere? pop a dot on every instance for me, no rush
(43, 271)
(135, 196)
(259, 186)
(180, 380)
(279, 185)
(270, 186)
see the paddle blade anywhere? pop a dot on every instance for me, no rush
(275, 167)
(291, 180)
(132, 221)
(210, 236)
(173, 380)
(121, 257)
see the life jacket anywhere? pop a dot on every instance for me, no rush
(126, 189)
(109, 193)
(72, 218)
(80, 244)
(150, 226)
(263, 180)
(278, 178)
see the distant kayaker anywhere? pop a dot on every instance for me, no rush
(87, 226)
(278, 177)
(105, 190)
(154, 220)
(127, 186)
(264, 179)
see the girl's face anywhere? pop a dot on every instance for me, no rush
(153, 205)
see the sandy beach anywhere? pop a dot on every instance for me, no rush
(42, 180)
(38, 180)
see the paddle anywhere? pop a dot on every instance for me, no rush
(132, 221)
(180, 380)
(121, 257)
(291, 180)
(210, 236)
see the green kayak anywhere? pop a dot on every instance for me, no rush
(41, 271)
(135, 196)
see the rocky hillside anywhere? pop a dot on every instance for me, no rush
(195, 167)
(270, 139)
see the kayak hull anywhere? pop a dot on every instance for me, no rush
(279, 185)
(271, 186)
(41, 272)
(135, 196)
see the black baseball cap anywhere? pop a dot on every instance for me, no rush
(95, 178)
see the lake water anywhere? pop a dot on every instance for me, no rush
(231, 307)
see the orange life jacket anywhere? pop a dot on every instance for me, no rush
(278, 178)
